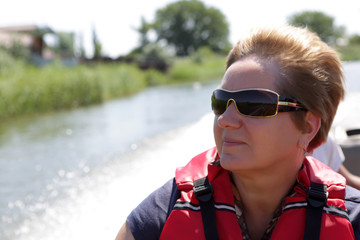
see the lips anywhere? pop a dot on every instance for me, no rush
(232, 142)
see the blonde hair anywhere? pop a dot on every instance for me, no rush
(310, 71)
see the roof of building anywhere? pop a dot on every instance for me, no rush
(29, 29)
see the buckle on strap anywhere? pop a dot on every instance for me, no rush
(317, 195)
(203, 190)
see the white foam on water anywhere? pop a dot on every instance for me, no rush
(97, 206)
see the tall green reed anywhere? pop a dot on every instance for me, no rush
(54, 87)
(26, 89)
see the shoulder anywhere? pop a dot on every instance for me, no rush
(148, 218)
(330, 153)
(352, 203)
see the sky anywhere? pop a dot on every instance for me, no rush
(114, 20)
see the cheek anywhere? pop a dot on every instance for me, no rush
(217, 135)
(273, 136)
(284, 135)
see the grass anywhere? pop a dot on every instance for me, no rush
(350, 52)
(34, 90)
(186, 69)
(25, 89)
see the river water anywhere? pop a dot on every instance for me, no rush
(77, 174)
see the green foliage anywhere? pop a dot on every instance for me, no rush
(153, 52)
(27, 89)
(96, 44)
(120, 80)
(7, 62)
(51, 88)
(13, 56)
(185, 70)
(54, 87)
(350, 52)
(354, 40)
(189, 25)
(143, 30)
(65, 46)
(319, 23)
(155, 78)
(201, 54)
(18, 50)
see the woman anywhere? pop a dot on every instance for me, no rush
(276, 102)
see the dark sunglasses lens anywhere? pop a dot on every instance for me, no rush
(257, 103)
(249, 102)
(218, 105)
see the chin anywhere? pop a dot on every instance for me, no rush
(233, 163)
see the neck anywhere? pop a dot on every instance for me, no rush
(261, 193)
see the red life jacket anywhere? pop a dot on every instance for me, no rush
(185, 221)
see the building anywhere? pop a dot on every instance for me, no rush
(30, 36)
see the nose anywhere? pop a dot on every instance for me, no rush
(231, 118)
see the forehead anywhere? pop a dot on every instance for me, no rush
(251, 72)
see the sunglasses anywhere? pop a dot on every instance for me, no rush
(253, 102)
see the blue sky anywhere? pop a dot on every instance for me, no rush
(114, 20)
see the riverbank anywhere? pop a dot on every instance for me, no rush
(26, 90)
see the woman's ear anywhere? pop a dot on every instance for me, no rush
(312, 125)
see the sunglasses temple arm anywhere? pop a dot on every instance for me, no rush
(290, 104)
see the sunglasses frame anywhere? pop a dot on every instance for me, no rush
(284, 104)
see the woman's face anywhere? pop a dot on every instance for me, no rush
(247, 143)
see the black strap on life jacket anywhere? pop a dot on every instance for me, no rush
(316, 199)
(204, 193)
(175, 194)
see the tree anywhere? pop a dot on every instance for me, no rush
(143, 30)
(96, 44)
(189, 25)
(319, 23)
(80, 50)
(65, 46)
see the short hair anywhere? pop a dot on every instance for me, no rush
(310, 71)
